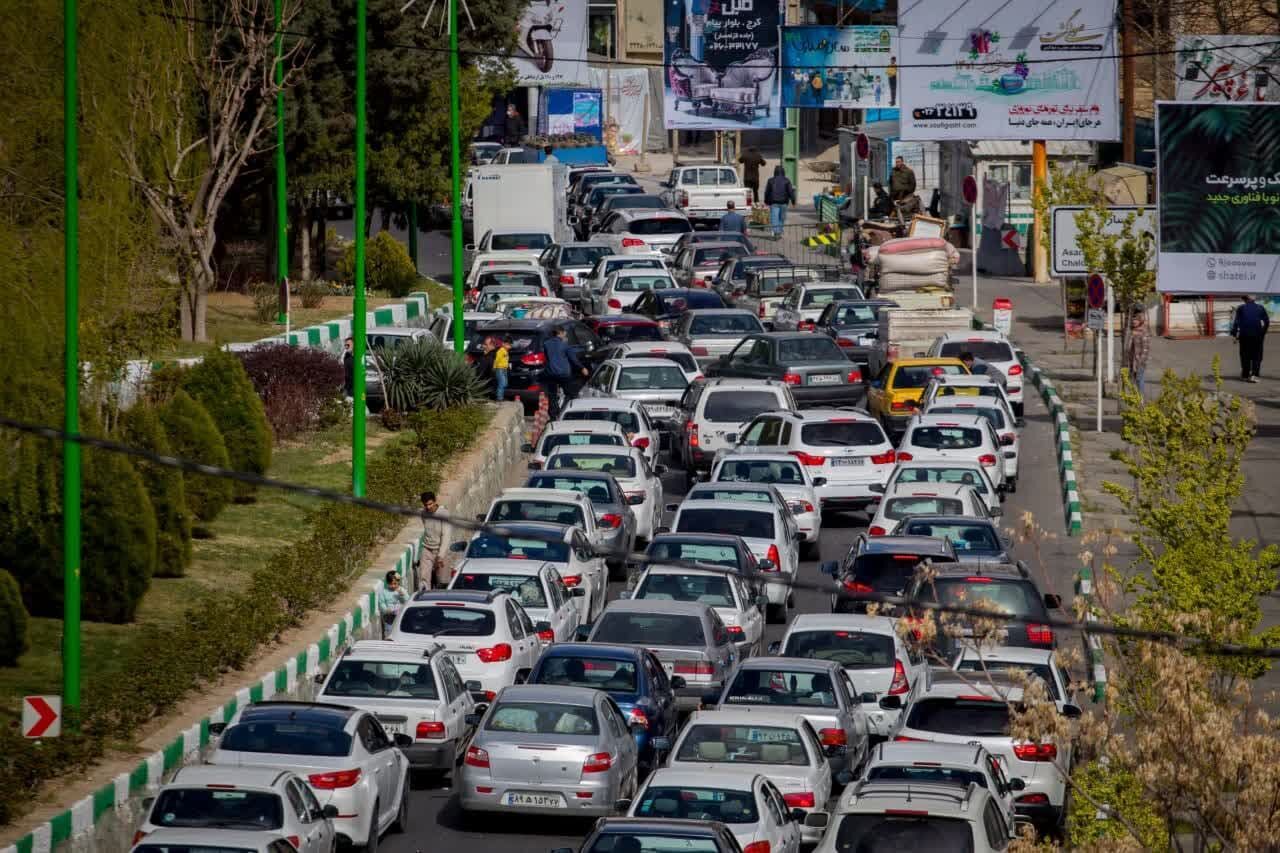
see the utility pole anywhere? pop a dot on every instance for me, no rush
(358, 411)
(791, 134)
(455, 164)
(71, 375)
(282, 206)
(1128, 74)
(1039, 177)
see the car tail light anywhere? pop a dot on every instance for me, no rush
(628, 242)
(801, 800)
(693, 667)
(615, 303)
(334, 779)
(473, 295)
(904, 456)
(792, 378)
(138, 836)
(855, 375)
(477, 757)
(699, 282)
(760, 311)
(736, 631)
(642, 442)
(1015, 370)
(900, 684)
(877, 530)
(542, 291)
(1007, 439)
(597, 762)
(905, 739)
(1033, 800)
(495, 654)
(806, 326)
(1041, 635)
(987, 459)
(902, 405)
(683, 198)
(772, 554)
(758, 847)
(698, 350)
(534, 359)
(844, 343)
(833, 737)
(427, 731)
(858, 587)
(566, 279)
(799, 506)
(886, 458)
(693, 433)
(611, 520)
(1035, 751)
(572, 580)
(637, 717)
(547, 636)
(809, 458)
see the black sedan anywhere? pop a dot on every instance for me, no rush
(666, 307)
(817, 371)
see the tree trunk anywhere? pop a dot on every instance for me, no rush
(304, 241)
(322, 240)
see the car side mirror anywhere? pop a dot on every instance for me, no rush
(469, 247)
(891, 703)
(672, 507)
(1017, 784)
(522, 675)
(217, 728)
(1071, 712)
(1052, 601)
(621, 806)
(678, 682)
(829, 568)
(878, 488)
(996, 511)
(762, 600)
(660, 469)
(844, 777)
(732, 438)
(526, 448)
(329, 812)
(458, 547)
(775, 647)
(664, 529)
(577, 592)
(582, 632)
(402, 741)
(819, 481)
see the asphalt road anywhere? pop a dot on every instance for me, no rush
(436, 823)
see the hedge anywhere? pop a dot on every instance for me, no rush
(140, 427)
(220, 384)
(193, 435)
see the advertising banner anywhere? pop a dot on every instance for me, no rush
(642, 27)
(840, 67)
(1009, 69)
(627, 89)
(1227, 68)
(552, 49)
(1218, 185)
(721, 61)
(1067, 258)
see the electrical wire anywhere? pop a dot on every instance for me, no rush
(831, 588)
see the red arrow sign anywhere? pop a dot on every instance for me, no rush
(1010, 239)
(41, 716)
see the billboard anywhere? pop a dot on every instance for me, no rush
(1067, 258)
(552, 46)
(721, 60)
(1227, 68)
(1218, 193)
(1009, 69)
(840, 67)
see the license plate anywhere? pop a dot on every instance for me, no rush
(542, 801)
(459, 659)
(660, 411)
(851, 460)
(824, 379)
(393, 728)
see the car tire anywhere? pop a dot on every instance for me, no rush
(371, 845)
(401, 824)
(1013, 486)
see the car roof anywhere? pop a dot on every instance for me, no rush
(826, 285)
(463, 596)
(992, 686)
(721, 312)
(479, 315)
(708, 245)
(497, 231)
(653, 346)
(780, 662)
(633, 214)
(552, 495)
(923, 545)
(965, 379)
(858, 622)
(976, 335)
(549, 693)
(642, 362)
(229, 775)
(680, 608)
(548, 526)
(602, 476)
(673, 827)
(948, 419)
(732, 382)
(385, 650)
(624, 319)
(730, 487)
(584, 244)
(950, 519)
(407, 331)
(906, 752)
(983, 568)
(708, 538)
(583, 426)
(637, 272)
(926, 490)
(1010, 654)
(848, 413)
(529, 325)
(702, 778)
(599, 403)
(667, 569)
(934, 798)
(496, 565)
(738, 455)
(203, 838)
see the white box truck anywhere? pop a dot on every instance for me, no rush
(528, 196)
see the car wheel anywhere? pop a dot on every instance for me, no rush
(371, 846)
(401, 824)
(1013, 486)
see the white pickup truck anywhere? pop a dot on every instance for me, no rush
(703, 192)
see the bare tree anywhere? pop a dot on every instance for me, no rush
(196, 116)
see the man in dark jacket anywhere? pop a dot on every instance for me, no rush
(1249, 328)
(562, 364)
(348, 369)
(778, 193)
(751, 161)
(902, 181)
(515, 127)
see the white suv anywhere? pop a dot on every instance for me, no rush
(712, 414)
(917, 816)
(954, 438)
(989, 346)
(1002, 420)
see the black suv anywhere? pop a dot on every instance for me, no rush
(527, 376)
(882, 565)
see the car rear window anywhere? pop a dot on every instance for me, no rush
(996, 667)
(748, 525)
(657, 378)
(715, 254)
(619, 333)
(885, 571)
(760, 471)
(825, 296)
(508, 278)
(543, 718)
(637, 283)
(748, 495)
(842, 433)
(686, 361)
(971, 538)
(959, 716)
(710, 590)
(579, 439)
(287, 737)
(599, 194)
(919, 376)
(629, 421)
(492, 546)
(659, 226)
(501, 242)
(889, 833)
(993, 415)
(615, 676)
(971, 391)
(381, 678)
(722, 555)
(649, 629)
(985, 350)
(224, 809)
(598, 491)
(899, 508)
(850, 649)
(967, 476)
(638, 202)
(850, 315)
(525, 589)
(816, 348)
(916, 773)
(783, 687)
(582, 256)
(611, 463)
(448, 620)
(631, 264)
(746, 745)
(697, 804)
(532, 510)
(626, 840)
(723, 324)
(946, 437)
(1016, 598)
(739, 406)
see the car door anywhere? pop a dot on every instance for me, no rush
(782, 832)
(567, 611)
(749, 615)
(451, 690)
(524, 641)
(738, 362)
(383, 756)
(661, 692)
(878, 392)
(788, 315)
(856, 732)
(312, 824)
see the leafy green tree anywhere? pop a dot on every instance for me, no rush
(387, 266)
(140, 427)
(14, 641)
(220, 384)
(193, 435)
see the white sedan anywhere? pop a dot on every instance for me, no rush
(537, 587)
(954, 438)
(908, 499)
(752, 807)
(726, 593)
(622, 288)
(1000, 413)
(641, 482)
(791, 479)
(638, 428)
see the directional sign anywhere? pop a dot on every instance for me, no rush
(970, 189)
(862, 146)
(1010, 240)
(41, 716)
(1067, 258)
(1096, 291)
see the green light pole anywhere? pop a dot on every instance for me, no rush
(455, 161)
(357, 302)
(71, 376)
(282, 210)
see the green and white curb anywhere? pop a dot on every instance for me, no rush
(106, 819)
(1062, 432)
(1092, 642)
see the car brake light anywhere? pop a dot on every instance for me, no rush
(631, 241)
(987, 459)
(772, 554)
(809, 458)
(566, 279)
(801, 800)
(792, 378)
(855, 375)
(858, 587)
(904, 456)
(906, 812)
(902, 405)
(905, 739)
(138, 836)
(615, 303)
(845, 343)
(760, 311)
(1033, 800)
(833, 737)
(571, 580)
(699, 282)
(698, 350)
(799, 507)
(597, 762)
(547, 636)
(693, 667)
(1007, 439)
(877, 530)
(495, 654)
(884, 458)
(542, 291)
(611, 520)
(1041, 635)
(637, 717)
(533, 359)
(477, 757)
(429, 730)
(900, 684)
(693, 433)
(1035, 751)
(735, 630)
(806, 326)
(977, 579)
(758, 847)
(334, 779)
(642, 442)
(1015, 370)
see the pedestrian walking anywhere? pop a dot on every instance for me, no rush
(857, 251)
(751, 161)
(348, 369)
(1249, 328)
(514, 130)
(778, 193)
(892, 74)
(391, 597)
(433, 568)
(732, 221)
(1138, 351)
(563, 368)
(501, 366)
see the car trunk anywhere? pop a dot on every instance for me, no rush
(398, 716)
(537, 758)
(713, 346)
(694, 665)
(822, 373)
(658, 402)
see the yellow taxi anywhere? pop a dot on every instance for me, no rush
(894, 396)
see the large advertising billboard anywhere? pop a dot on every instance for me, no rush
(721, 61)
(840, 67)
(1218, 183)
(1009, 69)
(552, 48)
(1227, 68)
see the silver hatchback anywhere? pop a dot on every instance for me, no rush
(548, 749)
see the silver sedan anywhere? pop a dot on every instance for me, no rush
(550, 750)
(712, 332)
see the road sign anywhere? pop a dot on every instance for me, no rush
(1096, 319)
(861, 168)
(1011, 240)
(863, 146)
(41, 716)
(1067, 258)
(1096, 291)
(970, 189)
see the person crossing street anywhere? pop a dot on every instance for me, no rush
(1249, 328)
(778, 193)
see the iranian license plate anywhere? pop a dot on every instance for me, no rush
(393, 728)
(459, 659)
(541, 801)
(824, 379)
(659, 411)
(848, 460)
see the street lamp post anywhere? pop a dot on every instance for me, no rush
(282, 207)
(357, 302)
(455, 162)
(71, 375)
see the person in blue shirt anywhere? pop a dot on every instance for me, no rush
(562, 367)
(1249, 328)
(733, 221)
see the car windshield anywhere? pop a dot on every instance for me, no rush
(525, 589)
(959, 716)
(783, 687)
(655, 378)
(735, 522)
(740, 405)
(842, 432)
(919, 376)
(850, 649)
(469, 328)
(660, 225)
(966, 538)
(998, 667)
(1016, 598)
(715, 254)
(629, 421)
(597, 490)
(711, 590)
(621, 333)
(493, 546)
(723, 324)
(666, 842)
(683, 359)
(984, 350)
(899, 508)
(660, 801)
(743, 745)
(854, 315)
(890, 833)
(637, 283)
(580, 439)
(615, 676)
(968, 476)
(286, 737)
(761, 471)
(502, 242)
(825, 296)
(582, 256)
(723, 555)
(704, 493)
(993, 415)
(610, 463)
(543, 718)
(816, 348)
(378, 678)
(218, 807)
(448, 620)
(649, 629)
(945, 437)
(692, 299)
